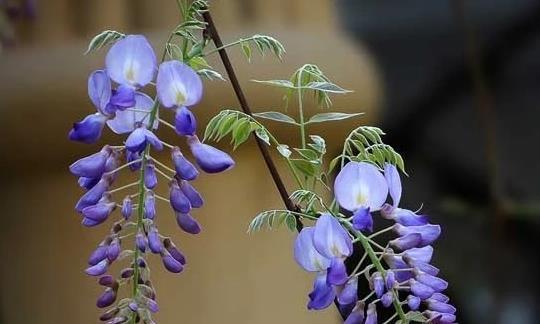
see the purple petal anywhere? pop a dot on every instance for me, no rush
(362, 220)
(136, 141)
(406, 242)
(87, 183)
(436, 283)
(413, 302)
(133, 156)
(188, 223)
(90, 222)
(428, 232)
(150, 177)
(100, 212)
(153, 140)
(422, 266)
(402, 216)
(440, 318)
(131, 61)
(89, 129)
(126, 121)
(179, 202)
(440, 307)
(440, 297)
(349, 294)
(421, 290)
(99, 254)
(172, 264)
(98, 269)
(127, 208)
(377, 284)
(141, 242)
(194, 197)
(390, 279)
(357, 314)
(371, 315)
(107, 281)
(113, 251)
(178, 85)
(154, 242)
(149, 205)
(422, 254)
(92, 196)
(360, 185)
(123, 97)
(99, 89)
(127, 273)
(185, 122)
(305, 253)
(209, 159)
(337, 272)
(322, 295)
(387, 299)
(331, 239)
(393, 180)
(107, 299)
(173, 250)
(184, 169)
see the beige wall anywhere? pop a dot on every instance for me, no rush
(232, 277)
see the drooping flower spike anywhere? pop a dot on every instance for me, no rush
(125, 109)
(361, 188)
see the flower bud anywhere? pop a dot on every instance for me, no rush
(371, 315)
(209, 159)
(406, 242)
(390, 279)
(194, 197)
(436, 283)
(89, 129)
(150, 177)
(413, 302)
(387, 299)
(92, 196)
(127, 208)
(141, 242)
(138, 139)
(179, 202)
(150, 205)
(133, 156)
(106, 281)
(91, 166)
(184, 169)
(185, 122)
(109, 314)
(99, 254)
(357, 314)
(429, 233)
(99, 213)
(114, 249)
(98, 269)
(153, 241)
(126, 273)
(188, 223)
(171, 263)
(421, 290)
(173, 250)
(349, 294)
(377, 284)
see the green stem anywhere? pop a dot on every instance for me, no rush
(301, 111)
(377, 263)
(142, 192)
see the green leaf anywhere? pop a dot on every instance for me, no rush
(247, 50)
(174, 52)
(276, 116)
(308, 154)
(241, 131)
(102, 39)
(272, 219)
(263, 134)
(277, 83)
(325, 86)
(416, 317)
(324, 117)
(306, 167)
(211, 74)
(225, 126)
(284, 150)
(319, 144)
(198, 63)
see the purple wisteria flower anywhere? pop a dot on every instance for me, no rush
(116, 93)
(361, 188)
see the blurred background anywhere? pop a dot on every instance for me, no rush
(453, 83)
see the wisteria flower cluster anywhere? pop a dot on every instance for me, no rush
(362, 189)
(131, 65)
(398, 272)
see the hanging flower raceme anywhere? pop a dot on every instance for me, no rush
(116, 95)
(398, 275)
